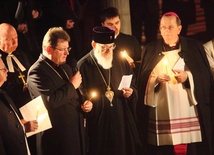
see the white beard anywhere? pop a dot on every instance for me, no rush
(106, 63)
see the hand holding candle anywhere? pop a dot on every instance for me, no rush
(163, 77)
(87, 105)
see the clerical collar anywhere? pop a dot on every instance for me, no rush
(49, 61)
(56, 68)
(167, 47)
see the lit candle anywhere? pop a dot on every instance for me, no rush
(128, 58)
(165, 62)
(124, 54)
(93, 94)
(37, 112)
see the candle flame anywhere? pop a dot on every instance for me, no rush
(165, 62)
(128, 58)
(124, 54)
(93, 94)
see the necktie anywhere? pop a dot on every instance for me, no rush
(10, 64)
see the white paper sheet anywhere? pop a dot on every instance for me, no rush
(36, 110)
(125, 82)
(179, 65)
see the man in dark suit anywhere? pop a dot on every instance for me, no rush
(57, 83)
(12, 132)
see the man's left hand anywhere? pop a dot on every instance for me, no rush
(127, 92)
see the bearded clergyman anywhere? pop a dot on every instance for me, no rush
(111, 123)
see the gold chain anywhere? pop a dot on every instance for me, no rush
(56, 71)
(107, 85)
(109, 94)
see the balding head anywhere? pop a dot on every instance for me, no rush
(8, 38)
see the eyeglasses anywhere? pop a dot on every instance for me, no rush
(165, 27)
(4, 69)
(63, 49)
(105, 48)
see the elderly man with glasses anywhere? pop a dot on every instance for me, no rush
(174, 84)
(111, 125)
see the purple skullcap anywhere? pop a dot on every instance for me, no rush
(103, 35)
(171, 14)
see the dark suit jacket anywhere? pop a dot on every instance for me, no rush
(12, 136)
(61, 100)
(195, 58)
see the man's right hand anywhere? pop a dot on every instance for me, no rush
(76, 80)
(162, 78)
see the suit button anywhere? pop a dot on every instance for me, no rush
(22, 141)
(18, 126)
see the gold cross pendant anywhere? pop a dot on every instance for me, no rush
(21, 76)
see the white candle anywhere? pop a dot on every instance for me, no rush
(165, 63)
(37, 112)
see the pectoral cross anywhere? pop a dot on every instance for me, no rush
(21, 76)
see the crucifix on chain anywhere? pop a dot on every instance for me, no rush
(22, 77)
